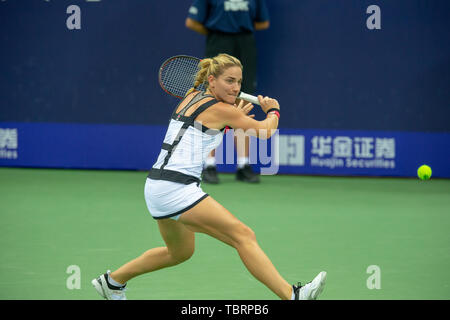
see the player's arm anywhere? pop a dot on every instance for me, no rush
(196, 26)
(237, 118)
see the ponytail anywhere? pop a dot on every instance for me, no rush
(213, 66)
(202, 75)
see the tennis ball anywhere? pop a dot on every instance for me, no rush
(424, 172)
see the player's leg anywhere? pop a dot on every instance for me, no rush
(211, 218)
(180, 243)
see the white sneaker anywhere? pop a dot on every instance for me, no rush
(311, 290)
(103, 288)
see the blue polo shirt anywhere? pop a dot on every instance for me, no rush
(230, 16)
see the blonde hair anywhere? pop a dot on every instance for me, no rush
(213, 66)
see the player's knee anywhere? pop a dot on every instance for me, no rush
(245, 234)
(251, 234)
(186, 255)
(181, 256)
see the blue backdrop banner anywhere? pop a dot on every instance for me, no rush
(363, 85)
(289, 151)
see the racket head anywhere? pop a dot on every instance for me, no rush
(177, 75)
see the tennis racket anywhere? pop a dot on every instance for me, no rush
(177, 75)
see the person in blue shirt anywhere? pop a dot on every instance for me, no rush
(229, 27)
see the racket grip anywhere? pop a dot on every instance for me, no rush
(248, 98)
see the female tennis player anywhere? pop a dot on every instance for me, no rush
(174, 196)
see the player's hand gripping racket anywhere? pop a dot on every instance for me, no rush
(177, 76)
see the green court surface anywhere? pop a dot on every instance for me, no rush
(97, 220)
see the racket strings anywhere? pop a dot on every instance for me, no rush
(177, 76)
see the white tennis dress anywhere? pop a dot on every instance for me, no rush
(173, 184)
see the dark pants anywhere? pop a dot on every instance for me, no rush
(241, 46)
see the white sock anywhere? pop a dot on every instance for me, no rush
(114, 282)
(293, 294)
(242, 161)
(210, 162)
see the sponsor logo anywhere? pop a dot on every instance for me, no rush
(352, 152)
(290, 150)
(8, 143)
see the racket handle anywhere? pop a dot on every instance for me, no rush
(248, 98)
